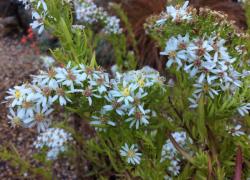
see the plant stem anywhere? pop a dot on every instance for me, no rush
(184, 126)
(211, 141)
(210, 168)
(181, 150)
(238, 165)
(174, 108)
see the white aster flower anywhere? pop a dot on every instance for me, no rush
(125, 93)
(88, 93)
(219, 47)
(175, 55)
(236, 131)
(15, 118)
(101, 82)
(90, 72)
(40, 119)
(61, 96)
(46, 79)
(116, 106)
(205, 89)
(140, 117)
(101, 121)
(243, 109)
(38, 22)
(17, 95)
(202, 69)
(179, 14)
(41, 96)
(131, 154)
(200, 48)
(70, 76)
(27, 108)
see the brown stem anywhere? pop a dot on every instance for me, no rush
(211, 139)
(210, 168)
(184, 126)
(238, 165)
(181, 118)
(181, 150)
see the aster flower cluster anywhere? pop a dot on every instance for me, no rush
(55, 140)
(123, 97)
(31, 104)
(28, 106)
(88, 12)
(170, 153)
(175, 14)
(208, 62)
(127, 94)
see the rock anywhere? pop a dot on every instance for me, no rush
(13, 17)
(7, 25)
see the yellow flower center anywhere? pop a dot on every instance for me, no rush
(16, 122)
(141, 82)
(27, 105)
(60, 92)
(39, 117)
(172, 54)
(126, 92)
(17, 94)
(131, 153)
(103, 120)
(206, 88)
